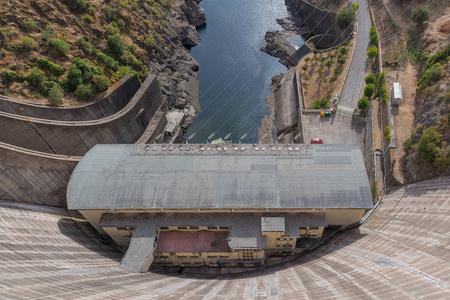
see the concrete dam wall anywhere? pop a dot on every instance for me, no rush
(319, 22)
(115, 99)
(32, 177)
(76, 138)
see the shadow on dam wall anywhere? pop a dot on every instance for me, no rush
(321, 23)
(77, 137)
(113, 100)
(33, 178)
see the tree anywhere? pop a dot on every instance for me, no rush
(342, 50)
(429, 144)
(345, 17)
(55, 96)
(115, 45)
(355, 6)
(85, 92)
(372, 52)
(369, 89)
(363, 103)
(373, 36)
(421, 14)
(380, 82)
(329, 64)
(36, 77)
(370, 79)
(101, 82)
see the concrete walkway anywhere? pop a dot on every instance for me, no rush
(352, 89)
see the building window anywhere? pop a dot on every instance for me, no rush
(182, 227)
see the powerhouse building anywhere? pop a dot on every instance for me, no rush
(218, 205)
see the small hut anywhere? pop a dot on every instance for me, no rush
(397, 95)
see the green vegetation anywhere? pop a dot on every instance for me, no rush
(355, 6)
(324, 103)
(387, 132)
(370, 79)
(329, 64)
(372, 52)
(373, 36)
(28, 43)
(9, 77)
(85, 92)
(304, 67)
(379, 84)
(407, 144)
(37, 77)
(81, 3)
(343, 50)
(345, 17)
(115, 45)
(55, 95)
(59, 45)
(48, 33)
(341, 59)
(369, 89)
(429, 144)
(55, 69)
(363, 103)
(28, 25)
(421, 14)
(345, 43)
(88, 19)
(101, 82)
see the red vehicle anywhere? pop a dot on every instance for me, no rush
(317, 141)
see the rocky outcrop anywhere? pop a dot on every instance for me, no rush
(278, 46)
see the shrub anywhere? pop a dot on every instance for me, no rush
(109, 12)
(421, 14)
(10, 76)
(88, 19)
(369, 89)
(380, 82)
(407, 144)
(345, 43)
(342, 50)
(341, 59)
(84, 92)
(387, 132)
(59, 45)
(101, 82)
(373, 36)
(384, 94)
(36, 77)
(363, 103)
(336, 71)
(86, 46)
(81, 3)
(55, 96)
(55, 69)
(121, 23)
(315, 51)
(150, 41)
(370, 79)
(372, 52)
(355, 6)
(440, 56)
(435, 73)
(329, 64)
(109, 62)
(28, 43)
(333, 79)
(429, 144)
(307, 59)
(48, 33)
(345, 17)
(28, 25)
(115, 45)
(324, 103)
(304, 67)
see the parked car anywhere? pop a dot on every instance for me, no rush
(317, 141)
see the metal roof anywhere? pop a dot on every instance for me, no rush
(249, 176)
(398, 91)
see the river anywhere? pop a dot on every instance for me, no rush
(235, 75)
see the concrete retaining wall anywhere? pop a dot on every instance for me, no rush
(115, 99)
(30, 178)
(76, 138)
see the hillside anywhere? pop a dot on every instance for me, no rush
(414, 54)
(68, 51)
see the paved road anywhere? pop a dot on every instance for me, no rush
(351, 92)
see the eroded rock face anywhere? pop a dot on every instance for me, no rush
(195, 14)
(278, 46)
